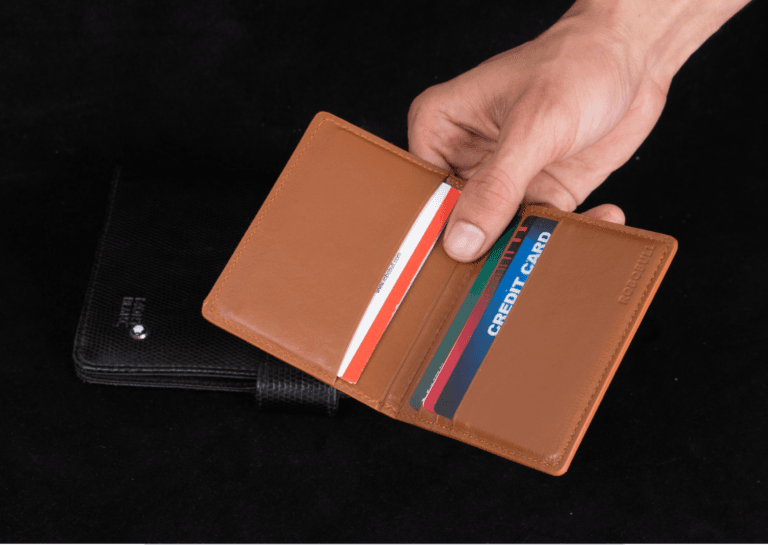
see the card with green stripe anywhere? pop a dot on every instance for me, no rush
(461, 318)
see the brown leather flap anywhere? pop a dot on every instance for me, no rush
(303, 274)
(546, 372)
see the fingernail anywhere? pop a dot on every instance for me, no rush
(464, 241)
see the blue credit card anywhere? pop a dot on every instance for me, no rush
(472, 299)
(493, 318)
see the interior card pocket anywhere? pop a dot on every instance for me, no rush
(485, 321)
(397, 280)
(539, 384)
(302, 276)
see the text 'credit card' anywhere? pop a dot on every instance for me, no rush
(487, 319)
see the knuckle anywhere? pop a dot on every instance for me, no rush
(494, 192)
(424, 102)
(550, 189)
(655, 98)
(563, 200)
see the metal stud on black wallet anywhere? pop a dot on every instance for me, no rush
(165, 240)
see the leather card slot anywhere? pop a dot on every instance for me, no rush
(540, 383)
(304, 273)
(403, 331)
(436, 326)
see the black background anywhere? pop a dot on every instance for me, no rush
(214, 90)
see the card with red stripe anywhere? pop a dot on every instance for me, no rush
(477, 313)
(473, 298)
(396, 281)
(449, 389)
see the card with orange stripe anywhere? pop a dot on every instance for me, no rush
(396, 281)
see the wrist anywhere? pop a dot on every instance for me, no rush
(659, 35)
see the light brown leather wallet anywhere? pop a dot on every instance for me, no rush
(306, 269)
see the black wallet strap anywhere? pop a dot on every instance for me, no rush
(284, 388)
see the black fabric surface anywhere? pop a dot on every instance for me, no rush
(217, 90)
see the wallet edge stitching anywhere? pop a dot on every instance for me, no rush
(664, 241)
(264, 215)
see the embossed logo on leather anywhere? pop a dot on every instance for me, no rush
(637, 273)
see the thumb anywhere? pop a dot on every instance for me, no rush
(491, 198)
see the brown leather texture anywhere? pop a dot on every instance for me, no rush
(303, 274)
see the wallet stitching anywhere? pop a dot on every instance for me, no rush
(450, 432)
(584, 219)
(602, 376)
(125, 370)
(302, 364)
(346, 387)
(264, 215)
(612, 359)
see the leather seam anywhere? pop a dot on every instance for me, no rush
(253, 230)
(599, 382)
(612, 359)
(459, 291)
(475, 438)
(125, 370)
(300, 363)
(587, 220)
(347, 387)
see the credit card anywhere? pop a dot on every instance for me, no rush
(470, 302)
(494, 316)
(397, 279)
(477, 313)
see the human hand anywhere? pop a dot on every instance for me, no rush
(548, 121)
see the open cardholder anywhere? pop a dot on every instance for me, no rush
(302, 277)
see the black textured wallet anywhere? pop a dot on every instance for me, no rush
(165, 240)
